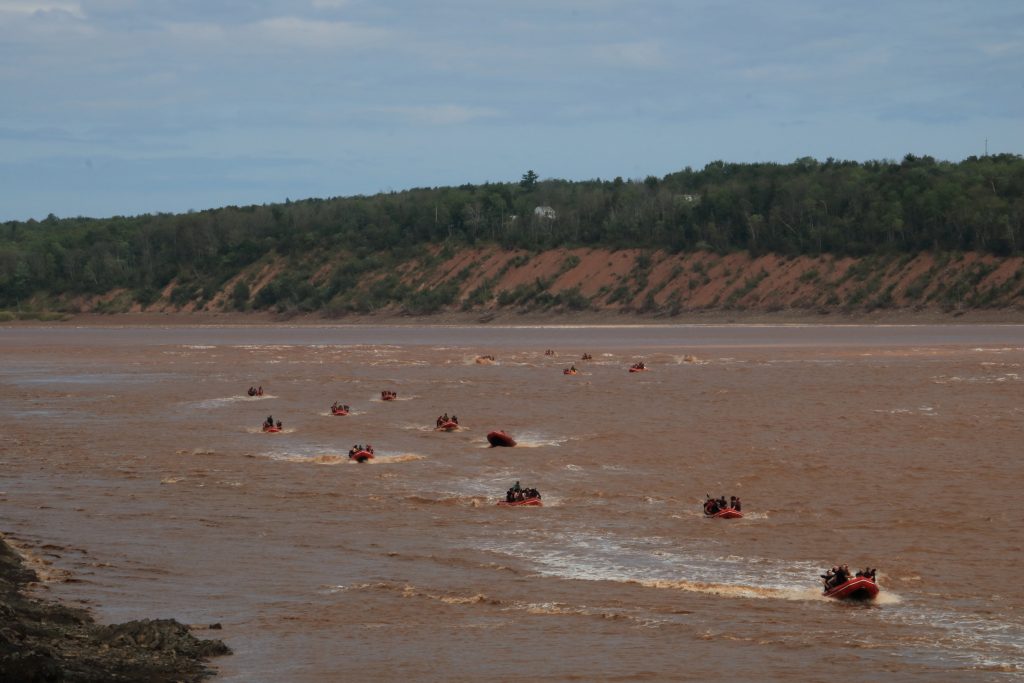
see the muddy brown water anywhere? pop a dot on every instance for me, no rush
(133, 463)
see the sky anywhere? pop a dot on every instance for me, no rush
(125, 107)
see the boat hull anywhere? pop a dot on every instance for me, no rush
(500, 439)
(448, 426)
(272, 430)
(529, 502)
(361, 456)
(339, 412)
(857, 588)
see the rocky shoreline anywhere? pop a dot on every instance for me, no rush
(42, 640)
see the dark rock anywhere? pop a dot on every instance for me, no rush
(44, 641)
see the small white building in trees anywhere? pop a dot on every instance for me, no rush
(545, 212)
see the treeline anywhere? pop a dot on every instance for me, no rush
(806, 207)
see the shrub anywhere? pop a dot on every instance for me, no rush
(240, 296)
(810, 275)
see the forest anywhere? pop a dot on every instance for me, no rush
(807, 207)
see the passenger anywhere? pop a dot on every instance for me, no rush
(509, 496)
(259, 392)
(827, 577)
(721, 503)
(455, 419)
(841, 575)
(516, 487)
(278, 424)
(738, 505)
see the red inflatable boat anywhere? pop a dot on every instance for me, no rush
(500, 438)
(711, 510)
(271, 430)
(339, 411)
(857, 588)
(570, 372)
(361, 456)
(533, 502)
(448, 426)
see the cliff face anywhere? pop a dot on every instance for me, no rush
(489, 280)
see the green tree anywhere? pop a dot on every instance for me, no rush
(529, 180)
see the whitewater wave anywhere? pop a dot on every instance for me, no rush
(228, 400)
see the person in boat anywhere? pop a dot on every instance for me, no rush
(737, 504)
(269, 422)
(259, 392)
(837, 575)
(710, 506)
(455, 419)
(279, 424)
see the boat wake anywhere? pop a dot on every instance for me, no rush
(228, 400)
(537, 440)
(655, 563)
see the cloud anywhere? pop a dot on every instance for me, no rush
(1001, 49)
(195, 31)
(438, 115)
(329, 4)
(641, 54)
(33, 6)
(298, 32)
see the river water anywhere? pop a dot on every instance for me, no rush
(133, 464)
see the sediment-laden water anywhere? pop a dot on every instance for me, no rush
(133, 464)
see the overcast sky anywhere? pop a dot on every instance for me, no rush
(121, 107)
